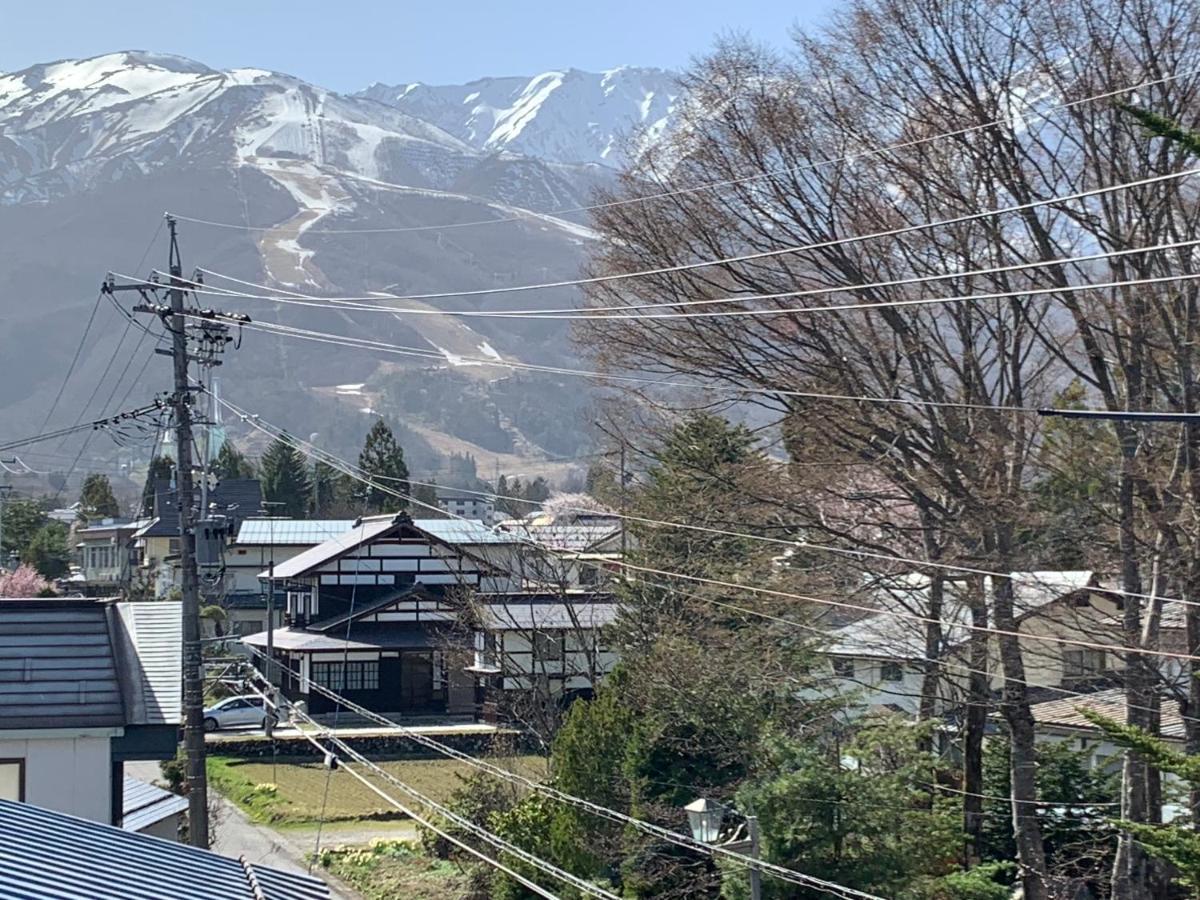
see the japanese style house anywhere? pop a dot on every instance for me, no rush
(423, 617)
(380, 614)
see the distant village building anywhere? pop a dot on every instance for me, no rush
(105, 555)
(467, 505)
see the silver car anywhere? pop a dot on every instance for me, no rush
(235, 712)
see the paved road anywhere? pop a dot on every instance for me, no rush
(237, 836)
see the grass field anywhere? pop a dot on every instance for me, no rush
(293, 792)
(391, 869)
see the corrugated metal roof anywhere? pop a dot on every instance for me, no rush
(517, 616)
(450, 531)
(365, 636)
(155, 630)
(144, 804)
(316, 556)
(49, 854)
(57, 666)
(286, 532)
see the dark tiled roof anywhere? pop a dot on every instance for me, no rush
(48, 854)
(57, 666)
(236, 498)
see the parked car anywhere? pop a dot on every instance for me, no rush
(235, 712)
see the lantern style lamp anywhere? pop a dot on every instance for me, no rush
(705, 817)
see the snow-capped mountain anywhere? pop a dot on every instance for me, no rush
(315, 191)
(566, 117)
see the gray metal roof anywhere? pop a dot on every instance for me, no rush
(144, 804)
(149, 636)
(363, 636)
(450, 531)
(514, 615)
(57, 666)
(291, 532)
(47, 854)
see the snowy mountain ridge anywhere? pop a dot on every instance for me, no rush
(567, 116)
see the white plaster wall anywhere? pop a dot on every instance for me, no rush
(68, 774)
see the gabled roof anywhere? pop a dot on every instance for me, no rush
(362, 610)
(290, 532)
(363, 636)
(364, 531)
(144, 804)
(235, 498)
(58, 668)
(49, 854)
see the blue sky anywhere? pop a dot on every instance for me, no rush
(347, 44)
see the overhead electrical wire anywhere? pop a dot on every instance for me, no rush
(309, 450)
(589, 315)
(1021, 117)
(105, 422)
(784, 251)
(599, 312)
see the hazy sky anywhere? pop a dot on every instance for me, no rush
(347, 44)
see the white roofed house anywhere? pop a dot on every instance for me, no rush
(880, 658)
(391, 612)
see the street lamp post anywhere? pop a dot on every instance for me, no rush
(705, 818)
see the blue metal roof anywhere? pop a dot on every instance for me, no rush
(49, 854)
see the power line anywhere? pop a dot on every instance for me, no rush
(619, 311)
(309, 450)
(673, 837)
(1015, 118)
(106, 422)
(384, 347)
(784, 251)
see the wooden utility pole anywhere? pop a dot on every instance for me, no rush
(175, 318)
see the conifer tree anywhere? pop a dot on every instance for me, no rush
(96, 499)
(232, 463)
(285, 479)
(162, 468)
(383, 460)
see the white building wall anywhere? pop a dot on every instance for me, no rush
(72, 775)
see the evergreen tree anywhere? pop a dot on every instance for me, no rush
(427, 505)
(285, 479)
(96, 499)
(22, 520)
(325, 490)
(232, 463)
(47, 551)
(383, 461)
(162, 468)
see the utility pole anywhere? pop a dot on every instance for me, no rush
(4, 492)
(175, 318)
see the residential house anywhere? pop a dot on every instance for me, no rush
(85, 686)
(157, 542)
(880, 658)
(392, 612)
(106, 555)
(257, 542)
(471, 505)
(49, 854)
(587, 546)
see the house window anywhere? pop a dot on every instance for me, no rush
(12, 780)
(1082, 663)
(359, 676)
(843, 667)
(547, 647)
(891, 671)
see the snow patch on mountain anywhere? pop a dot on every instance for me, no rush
(566, 116)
